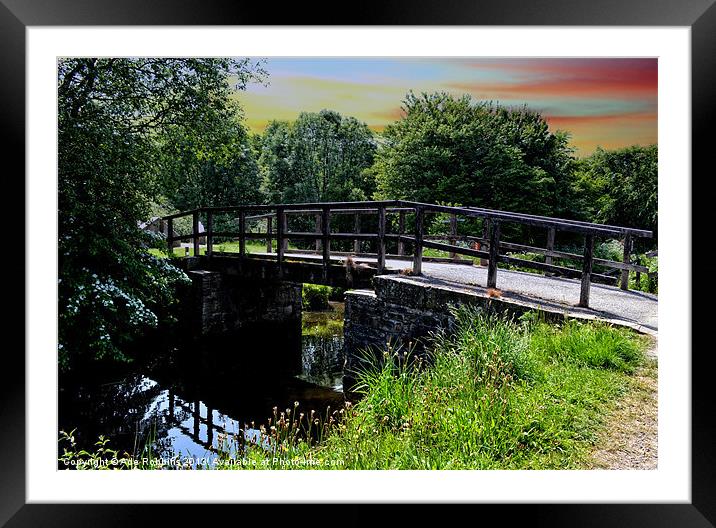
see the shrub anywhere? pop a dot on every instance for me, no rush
(315, 297)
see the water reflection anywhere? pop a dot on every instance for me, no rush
(186, 402)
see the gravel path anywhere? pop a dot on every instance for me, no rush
(608, 301)
(557, 293)
(630, 438)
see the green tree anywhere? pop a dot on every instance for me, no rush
(319, 157)
(620, 187)
(209, 162)
(457, 150)
(112, 116)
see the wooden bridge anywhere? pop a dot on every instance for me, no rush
(404, 227)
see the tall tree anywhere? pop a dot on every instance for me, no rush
(111, 115)
(621, 186)
(208, 163)
(458, 150)
(320, 157)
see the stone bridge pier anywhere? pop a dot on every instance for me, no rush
(403, 312)
(223, 304)
(223, 301)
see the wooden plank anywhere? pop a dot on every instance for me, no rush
(170, 237)
(638, 275)
(401, 230)
(242, 233)
(485, 236)
(318, 230)
(558, 270)
(179, 215)
(562, 225)
(381, 240)
(494, 254)
(624, 283)
(307, 235)
(558, 254)
(209, 233)
(363, 211)
(284, 229)
(551, 234)
(356, 229)
(326, 228)
(453, 232)
(236, 234)
(462, 251)
(195, 231)
(280, 248)
(418, 251)
(269, 245)
(622, 229)
(586, 271)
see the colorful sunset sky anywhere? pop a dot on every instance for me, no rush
(606, 102)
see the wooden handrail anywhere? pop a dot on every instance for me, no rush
(416, 236)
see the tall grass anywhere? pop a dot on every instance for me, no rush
(495, 394)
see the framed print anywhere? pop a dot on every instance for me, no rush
(643, 57)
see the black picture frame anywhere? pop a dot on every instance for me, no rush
(16, 15)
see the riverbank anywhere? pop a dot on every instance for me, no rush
(497, 395)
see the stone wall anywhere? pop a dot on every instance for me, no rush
(222, 304)
(403, 312)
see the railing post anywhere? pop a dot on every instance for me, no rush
(170, 237)
(195, 231)
(381, 239)
(326, 229)
(627, 255)
(494, 254)
(242, 233)
(356, 230)
(401, 230)
(485, 234)
(586, 271)
(638, 273)
(269, 246)
(418, 252)
(280, 223)
(551, 233)
(284, 229)
(209, 234)
(453, 233)
(318, 230)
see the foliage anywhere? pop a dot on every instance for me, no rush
(474, 153)
(619, 187)
(113, 115)
(209, 163)
(498, 394)
(317, 158)
(495, 394)
(315, 296)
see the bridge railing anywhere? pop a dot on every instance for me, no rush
(411, 231)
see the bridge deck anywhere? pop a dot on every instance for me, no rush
(637, 309)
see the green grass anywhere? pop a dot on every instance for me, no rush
(229, 247)
(325, 323)
(497, 394)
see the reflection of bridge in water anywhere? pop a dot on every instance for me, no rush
(194, 431)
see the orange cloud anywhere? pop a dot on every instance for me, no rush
(618, 78)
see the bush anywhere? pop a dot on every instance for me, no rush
(593, 345)
(315, 297)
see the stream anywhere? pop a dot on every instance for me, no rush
(182, 401)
